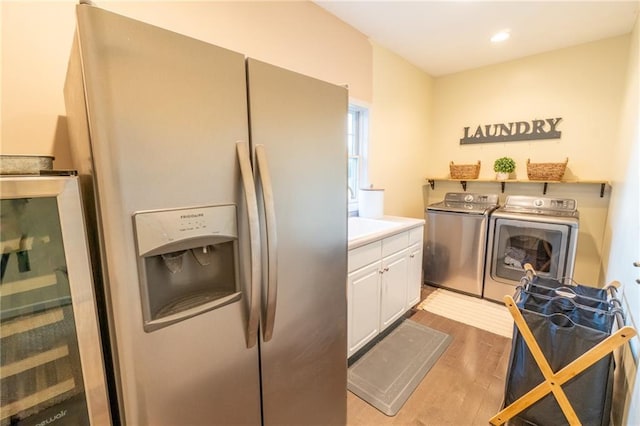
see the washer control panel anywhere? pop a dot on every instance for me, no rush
(470, 198)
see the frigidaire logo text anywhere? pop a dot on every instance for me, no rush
(191, 216)
(52, 419)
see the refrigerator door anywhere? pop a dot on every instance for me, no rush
(164, 113)
(304, 360)
(51, 364)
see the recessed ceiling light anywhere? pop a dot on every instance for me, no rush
(500, 36)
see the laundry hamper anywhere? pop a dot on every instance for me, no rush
(561, 365)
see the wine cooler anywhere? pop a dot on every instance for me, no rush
(51, 364)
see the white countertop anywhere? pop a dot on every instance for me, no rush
(363, 230)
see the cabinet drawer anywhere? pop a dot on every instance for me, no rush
(416, 235)
(364, 255)
(395, 243)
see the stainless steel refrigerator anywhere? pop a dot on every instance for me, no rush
(216, 186)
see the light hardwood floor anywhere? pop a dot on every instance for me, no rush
(465, 386)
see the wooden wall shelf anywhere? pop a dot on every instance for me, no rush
(603, 184)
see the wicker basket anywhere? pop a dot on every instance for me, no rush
(546, 171)
(464, 171)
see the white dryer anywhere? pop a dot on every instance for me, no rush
(542, 231)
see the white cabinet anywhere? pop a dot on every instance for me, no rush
(383, 283)
(363, 309)
(363, 295)
(393, 287)
(414, 282)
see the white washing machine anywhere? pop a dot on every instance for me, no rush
(542, 231)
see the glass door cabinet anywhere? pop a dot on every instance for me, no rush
(51, 364)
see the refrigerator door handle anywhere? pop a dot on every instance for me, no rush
(272, 241)
(248, 185)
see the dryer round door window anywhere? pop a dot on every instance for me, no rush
(544, 246)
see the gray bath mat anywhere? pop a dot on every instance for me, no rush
(389, 372)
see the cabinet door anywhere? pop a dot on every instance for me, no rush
(363, 308)
(414, 282)
(395, 272)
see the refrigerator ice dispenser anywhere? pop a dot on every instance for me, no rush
(187, 262)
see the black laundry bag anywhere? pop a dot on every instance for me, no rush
(581, 290)
(588, 316)
(561, 340)
(568, 293)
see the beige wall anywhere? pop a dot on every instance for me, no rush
(399, 132)
(416, 121)
(594, 87)
(36, 39)
(1, 67)
(582, 84)
(622, 236)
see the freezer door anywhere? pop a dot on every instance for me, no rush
(164, 113)
(298, 125)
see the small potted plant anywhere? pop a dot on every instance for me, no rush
(504, 167)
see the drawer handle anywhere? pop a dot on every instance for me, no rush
(636, 264)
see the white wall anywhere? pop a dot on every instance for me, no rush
(399, 132)
(36, 39)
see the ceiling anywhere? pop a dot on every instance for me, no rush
(444, 37)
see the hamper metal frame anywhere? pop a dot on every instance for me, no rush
(553, 380)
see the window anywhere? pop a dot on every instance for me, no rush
(357, 138)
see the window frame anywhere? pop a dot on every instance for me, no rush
(361, 143)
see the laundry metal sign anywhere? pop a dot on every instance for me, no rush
(513, 131)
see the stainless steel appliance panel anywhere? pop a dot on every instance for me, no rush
(517, 242)
(163, 112)
(546, 241)
(303, 352)
(454, 250)
(52, 365)
(187, 262)
(165, 131)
